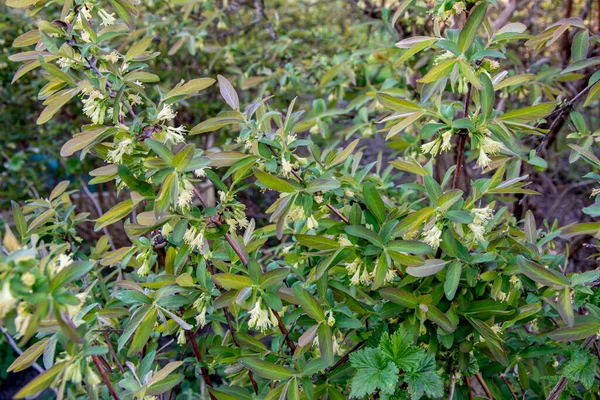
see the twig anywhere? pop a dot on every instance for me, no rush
(198, 356)
(105, 378)
(468, 383)
(96, 205)
(507, 383)
(463, 139)
(452, 387)
(284, 331)
(112, 352)
(346, 356)
(260, 14)
(484, 386)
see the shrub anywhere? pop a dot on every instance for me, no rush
(361, 281)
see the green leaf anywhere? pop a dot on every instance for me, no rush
(593, 95)
(438, 72)
(399, 348)
(317, 242)
(160, 149)
(425, 379)
(467, 34)
(309, 304)
(164, 372)
(487, 95)
(396, 104)
(228, 93)
(28, 357)
(232, 281)
(266, 369)
(189, 88)
(576, 332)
(565, 307)
(408, 246)
(115, 214)
(528, 114)
(400, 297)
(273, 182)
(373, 201)
(452, 279)
(321, 184)
(580, 45)
(326, 344)
(541, 275)
(273, 277)
(381, 269)
(142, 332)
(41, 382)
(373, 372)
(138, 48)
(70, 273)
(440, 319)
(364, 233)
(429, 267)
(581, 367)
(54, 103)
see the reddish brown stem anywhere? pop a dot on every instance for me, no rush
(105, 378)
(284, 331)
(507, 383)
(346, 356)
(468, 383)
(484, 386)
(198, 356)
(113, 353)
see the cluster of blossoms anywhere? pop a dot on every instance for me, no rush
(201, 305)
(432, 236)
(125, 146)
(261, 318)
(94, 106)
(186, 193)
(297, 214)
(360, 275)
(194, 237)
(487, 146)
(481, 217)
(146, 258)
(237, 218)
(442, 142)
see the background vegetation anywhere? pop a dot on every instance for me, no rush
(352, 210)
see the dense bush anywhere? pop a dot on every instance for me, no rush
(404, 273)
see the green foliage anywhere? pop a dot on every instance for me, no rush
(209, 297)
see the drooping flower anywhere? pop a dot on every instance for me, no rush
(286, 167)
(94, 107)
(201, 305)
(107, 19)
(312, 223)
(200, 172)
(113, 56)
(28, 279)
(330, 318)
(186, 194)
(175, 135)
(125, 146)
(166, 113)
(446, 138)
(22, 320)
(344, 242)
(432, 236)
(431, 148)
(260, 317)
(194, 237)
(483, 160)
(7, 300)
